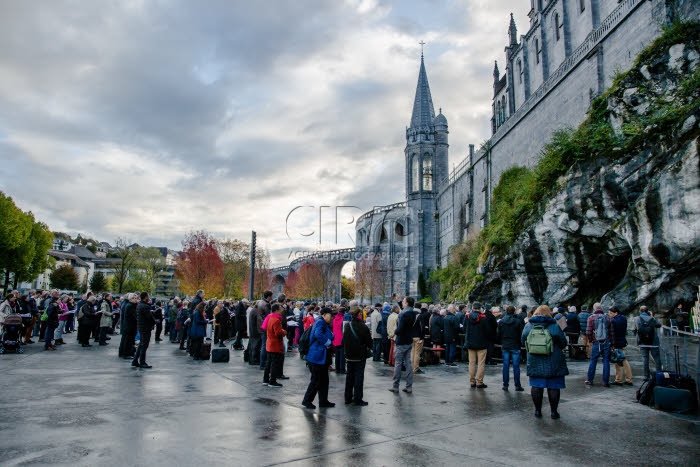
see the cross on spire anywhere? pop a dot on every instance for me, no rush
(421, 48)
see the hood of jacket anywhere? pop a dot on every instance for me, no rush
(539, 319)
(510, 320)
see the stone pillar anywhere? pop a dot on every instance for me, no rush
(567, 26)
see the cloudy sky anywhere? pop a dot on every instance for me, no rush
(148, 119)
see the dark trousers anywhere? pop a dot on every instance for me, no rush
(140, 355)
(273, 369)
(254, 350)
(126, 346)
(386, 346)
(355, 381)
(196, 347)
(84, 332)
(450, 350)
(159, 329)
(103, 334)
(240, 330)
(490, 348)
(339, 359)
(48, 336)
(263, 351)
(376, 349)
(183, 336)
(318, 384)
(166, 329)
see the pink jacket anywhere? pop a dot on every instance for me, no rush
(338, 330)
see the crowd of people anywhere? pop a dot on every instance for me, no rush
(342, 337)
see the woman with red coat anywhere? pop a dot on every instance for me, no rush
(274, 346)
(338, 343)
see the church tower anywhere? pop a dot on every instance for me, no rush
(426, 174)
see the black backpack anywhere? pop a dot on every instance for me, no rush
(304, 343)
(645, 331)
(645, 393)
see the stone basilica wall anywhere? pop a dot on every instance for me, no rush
(561, 101)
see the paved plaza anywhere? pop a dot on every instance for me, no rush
(87, 407)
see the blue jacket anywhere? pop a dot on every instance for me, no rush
(583, 320)
(199, 325)
(321, 337)
(546, 366)
(619, 322)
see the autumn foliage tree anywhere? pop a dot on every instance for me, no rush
(290, 284)
(200, 266)
(312, 280)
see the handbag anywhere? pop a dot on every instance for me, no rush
(368, 351)
(617, 356)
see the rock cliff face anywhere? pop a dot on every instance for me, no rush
(624, 230)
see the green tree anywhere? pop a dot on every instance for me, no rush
(128, 258)
(23, 243)
(64, 278)
(236, 257)
(149, 262)
(98, 282)
(347, 287)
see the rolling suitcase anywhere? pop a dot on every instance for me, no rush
(206, 351)
(673, 399)
(220, 355)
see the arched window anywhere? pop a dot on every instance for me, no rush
(503, 106)
(556, 25)
(399, 230)
(582, 4)
(498, 114)
(415, 173)
(427, 173)
(537, 50)
(520, 71)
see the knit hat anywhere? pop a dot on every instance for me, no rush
(572, 309)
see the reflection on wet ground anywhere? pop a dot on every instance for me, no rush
(87, 407)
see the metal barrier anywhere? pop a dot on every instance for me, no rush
(688, 351)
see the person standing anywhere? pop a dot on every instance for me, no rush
(601, 334)
(255, 333)
(375, 326)
(53, 313)
(648, 339)
(583, 321)
(478, 330)
(546, 371)
(275, 346)
(240, 324)
(318, 361)
(622, 369)
(198, 330)
(450, 334)
(128, 326)
(158, 317)
(144, 324)
(87, 320)
(356, 343)
(417, 349)
(409, 328)
(391, 324)
(573, 329)
(338, 337)
(106, 318)
(510, 329)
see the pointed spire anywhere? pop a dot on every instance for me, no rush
(513, 31)
(423, 111)
(496, 73)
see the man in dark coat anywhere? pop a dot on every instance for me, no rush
(87, 320)
(450, 333)
(128, 326)
(510, 329)
(478, 330)
(144, 324)
(240, 324)
(622, 369)
(254, 334)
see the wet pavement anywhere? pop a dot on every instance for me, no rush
(79, 406)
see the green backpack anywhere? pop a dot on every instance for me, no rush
(539, 341)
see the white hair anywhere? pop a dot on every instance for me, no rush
(451, 308)
(354, 303)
